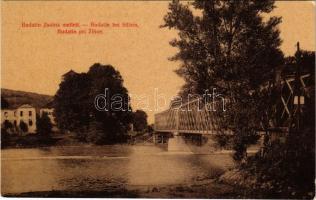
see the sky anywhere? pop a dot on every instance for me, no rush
(34, 59)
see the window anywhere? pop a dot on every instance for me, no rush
(30, 122)
(30, 113)
(6, 114)
(21, 113)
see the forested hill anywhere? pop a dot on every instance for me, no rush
(16, 98)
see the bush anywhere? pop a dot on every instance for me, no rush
(286, 169)
(23, 127)
(7, 125)
(44, 125)
(5, 138)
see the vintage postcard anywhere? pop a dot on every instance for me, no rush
(158, 99)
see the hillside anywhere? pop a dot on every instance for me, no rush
(17, 98)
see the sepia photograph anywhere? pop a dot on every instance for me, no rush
(168, 99)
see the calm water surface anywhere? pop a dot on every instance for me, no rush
(99, 168)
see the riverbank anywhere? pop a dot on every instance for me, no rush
(253, 188)
(15, 141)
(206, 189)
(39, 141)
(28, 141)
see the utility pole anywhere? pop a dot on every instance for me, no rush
(298, 86)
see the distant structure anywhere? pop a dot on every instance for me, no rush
(25, 113)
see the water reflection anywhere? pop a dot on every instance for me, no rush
(101, 168)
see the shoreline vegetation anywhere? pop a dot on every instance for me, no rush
(38, 141)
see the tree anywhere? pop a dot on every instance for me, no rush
(44, 124)
(95, 133)
(230, 47)
(71, 101)
(75, 108)
(5, 137)
(4, 103)
(150, 128)
(118, 116)
(7, 128)
(139, 120)
(23, 126)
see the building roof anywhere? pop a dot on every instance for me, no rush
(26, 106)
(46, 108)
(17, 107)
(13, 105)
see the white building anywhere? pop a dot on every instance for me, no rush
(25, 113)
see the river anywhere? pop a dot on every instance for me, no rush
(101, 168)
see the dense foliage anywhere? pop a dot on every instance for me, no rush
(286, 167)
(23, 126)
(75, 110)
(44, 124)
(140, 120)
(230, 47)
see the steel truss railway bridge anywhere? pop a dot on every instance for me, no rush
(195, 119)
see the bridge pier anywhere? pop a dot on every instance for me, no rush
(177, 143)
(161, 138)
